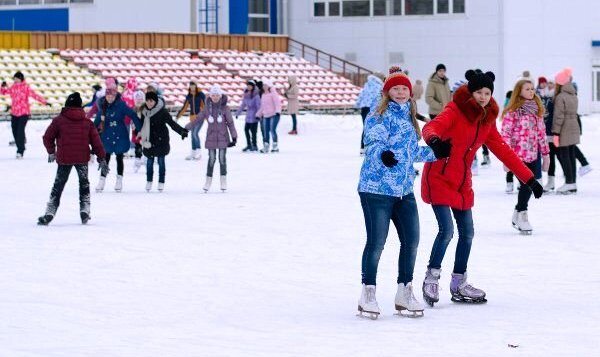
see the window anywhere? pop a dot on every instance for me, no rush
(82, 1)
(258, 24)
(319, 9)
(443, 6)
(379, 7)
(418, 7)
(356, 8)
(8, 2)
(397, 7)
(258, 15)
(334, 8)
(56, 1)
(29, 2)
(458, 6)
(258, 7)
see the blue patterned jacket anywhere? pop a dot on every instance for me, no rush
(368, 95)
(392, 131)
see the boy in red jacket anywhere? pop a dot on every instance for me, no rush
(68, 140)
(455, 135)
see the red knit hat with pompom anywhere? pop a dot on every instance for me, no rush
(395, 78)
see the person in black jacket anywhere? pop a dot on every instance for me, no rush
(155, 137)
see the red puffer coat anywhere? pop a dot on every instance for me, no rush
(447, 182)
(73, 134)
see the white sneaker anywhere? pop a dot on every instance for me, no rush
(223, 183)
(584, 170)
(520, 221)
(207, 184)
(161, 186)
(406, 301)
(567, 189)
(148, 186)
(101, 183)
(119, 183)
(549, 186)
(510, 187)
(368, 302)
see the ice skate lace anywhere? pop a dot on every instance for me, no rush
(524, 216)
(370, 295)
(410, 296)
(471, 290)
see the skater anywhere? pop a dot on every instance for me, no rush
(220, 127)
(68, 140)
(523, 129)
(251, 103)
(462, 127)
(129, 97)
(20, 111)
(293, 106)
(386, 190)
(110, 121)
(269, 112)
(368, 98)
(195, 100)
(546, 93)
(96, 88)
(437, 94)
(565, 128)
(154, 137)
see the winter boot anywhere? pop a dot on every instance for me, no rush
(45, 219)
(223, 183)
(207, 184)
(486, 161)
(161, 186)
(520, 221)
(247, 148)
(254, 148)
(584, 170)
(431, 286)
(368, 303)
(275, 148)
(567, 189)
(510, 187)
(549, 185)
(406, 301)
(101, 183)
(265, 149)
(119, 183)
(84, 210)
(462, 291)
(148, 186)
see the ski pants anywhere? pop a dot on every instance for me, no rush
(62, 175)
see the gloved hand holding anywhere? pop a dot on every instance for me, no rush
(441, 148)
(535, 186)
(103, 167)
(545, 163)
(184, 134)
(232, 143)
(51, 158)
(388, 158)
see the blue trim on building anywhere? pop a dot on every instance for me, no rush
(273, 17)
(595, 43)
(34, 20)
(238, 17)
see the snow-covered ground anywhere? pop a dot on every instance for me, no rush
(272, 268)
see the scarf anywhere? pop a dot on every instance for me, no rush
(529, 107)
(145, 132)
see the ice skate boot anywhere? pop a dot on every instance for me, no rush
(137, 164)
(462, 291)
(84, 211)
(85, 217)
(510, 187)
(520, 221)
(486, 162)
(265, 149)
(148, 186)
(45, 219)
(119, 183)
(584, 170)
(223, 183)
(431, 286)
(549, 186)
(406, 303)
(368, 303)
(567, 189)
(190, 156)
(101, 183)
(247, 148)
(207, 184)
(275, 148)
(161, 187)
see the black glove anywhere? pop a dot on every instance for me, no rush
(4, 84)
(103, 167)
(535, 186)
(232, 143)
(51, 158)
(184, 134)
(440, 148)
(388, 158)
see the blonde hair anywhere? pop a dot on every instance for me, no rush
(383, 106)
(516, 101)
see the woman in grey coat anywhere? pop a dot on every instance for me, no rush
(220, 134)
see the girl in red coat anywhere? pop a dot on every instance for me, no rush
(455, 135)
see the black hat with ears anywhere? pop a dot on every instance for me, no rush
(477, 80)
(19, 75)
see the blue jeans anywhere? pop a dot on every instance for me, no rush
(270, 127)
(464, 221)
(378, 211)
(194, 134)
(162, 170)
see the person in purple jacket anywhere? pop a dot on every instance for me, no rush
(250, 102)
(220, 133)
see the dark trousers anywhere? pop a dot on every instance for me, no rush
(567, 161)
(62, 175)
(162, 169)
(294, 122)
(378, 211)
(138, 150)
(579, 156)
(485, 149)
(510, 176)
(120, 164)
(364, 111)
(250, 131)
(464, 222)
(212, 158)
(524, 190)
(18, 129)
(553, 155)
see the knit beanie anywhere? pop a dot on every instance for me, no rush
(440, 66)
(542, 80)
(19, 75)
(73, 100)
(152, 96)
(395, 78)
(477, 80)
(563, 77)
(215, 90)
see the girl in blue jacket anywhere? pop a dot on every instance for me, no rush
(386, 190)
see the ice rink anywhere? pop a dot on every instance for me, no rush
(272, 267)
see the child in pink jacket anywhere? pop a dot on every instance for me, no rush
(20, 92)
(270, 111)
(524, 131)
